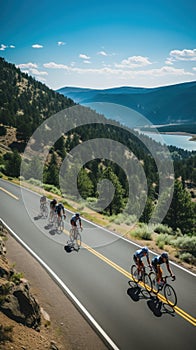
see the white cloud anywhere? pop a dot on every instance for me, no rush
(54, 65)
(37, 46)
(37, 72)
(194, 68)
(27, 65)
(3, 47)
(60, 43)
(84, 57)
(182, 55)
(133, 62)
(102, 53)
(165, 70)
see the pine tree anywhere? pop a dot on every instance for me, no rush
(13, 162)
(181, 213)
(52, 172)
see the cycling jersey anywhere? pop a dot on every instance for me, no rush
(139, 254)
(53, 204)
(158, 260)
(74, 219)
(60, 209)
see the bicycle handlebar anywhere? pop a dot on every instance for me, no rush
(172, 277)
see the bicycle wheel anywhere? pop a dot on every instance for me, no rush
(71, 235)
(154, 285)
(170, 295)
(45, 212)
(134, 273)
(78, 241)
(147, 282)
(51, 217)
(61, 225)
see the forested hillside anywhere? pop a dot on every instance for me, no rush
(26, 103)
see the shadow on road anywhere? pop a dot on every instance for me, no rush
(158, 307)
(38, 217)
(136, 293)
(70, 248)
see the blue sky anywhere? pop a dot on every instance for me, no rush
(101, 44)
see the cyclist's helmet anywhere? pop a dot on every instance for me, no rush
(164, 255)
(77, 215)
(145, 249)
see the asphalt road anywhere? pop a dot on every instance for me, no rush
(97, 278)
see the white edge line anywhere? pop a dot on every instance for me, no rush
(65, 288)
(111, 232)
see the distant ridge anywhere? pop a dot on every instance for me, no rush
(161, 105)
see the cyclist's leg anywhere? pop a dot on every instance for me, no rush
(159, 273)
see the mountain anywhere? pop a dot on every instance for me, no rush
(25, 102)
(174, 104)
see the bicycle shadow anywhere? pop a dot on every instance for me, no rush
(136, 292)
(48, 226)
(38, 217)
(159, 308)
(70, 248)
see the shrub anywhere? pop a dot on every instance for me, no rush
(34, 182)
(5, 333)
(163, 239)
(160, 228)
(185, 244)
(52, 188)
(187, 257)
(142, 232)
(15, 278)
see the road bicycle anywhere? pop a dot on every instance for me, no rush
(141, 276)
(58, 222)
(44, 210)
(75, 238)
(52, 216)
(164, 287)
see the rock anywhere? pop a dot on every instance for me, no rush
(22, 307)
(2, 247)
(53, 345)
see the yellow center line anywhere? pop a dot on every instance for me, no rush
(179, 311)
(9, 193)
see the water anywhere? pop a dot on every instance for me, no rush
(180, 141)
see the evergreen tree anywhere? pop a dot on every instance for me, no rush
(85, 185)
(52, 172)
(181, 213)
(110, 187)
(146, 215)
(12, 165)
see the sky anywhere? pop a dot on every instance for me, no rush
(99, 43)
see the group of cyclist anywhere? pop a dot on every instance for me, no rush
(59, 210)
(155, 264)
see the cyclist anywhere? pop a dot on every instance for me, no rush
(156, 262)
(42, 202)
(53, 204)
(60, 210)
(138, 256)
(75, 220)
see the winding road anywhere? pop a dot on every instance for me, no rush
(97, 279)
